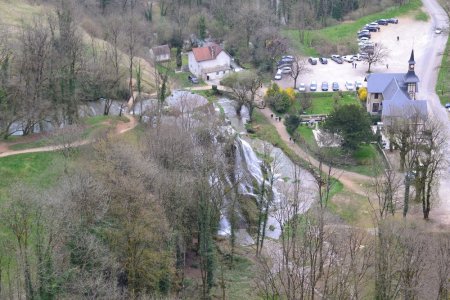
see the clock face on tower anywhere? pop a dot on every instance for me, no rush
(411, 67)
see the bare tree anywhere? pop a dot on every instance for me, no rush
(377, 55)
(430, 161)
(244, 86)
(299, 67)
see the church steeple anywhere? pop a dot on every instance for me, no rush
(411, 78)
(411, 61)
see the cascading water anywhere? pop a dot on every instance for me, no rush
(248, 172)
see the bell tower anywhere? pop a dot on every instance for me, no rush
(411, 79)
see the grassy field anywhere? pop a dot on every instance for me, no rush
(303, 41)
(443, 82)
(352, 208)
(361, 161)
(39, 170)
(92, 126)
(323, 103)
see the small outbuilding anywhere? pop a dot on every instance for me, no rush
(160, 53)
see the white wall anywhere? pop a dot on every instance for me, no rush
(223, 59)
(193, 65)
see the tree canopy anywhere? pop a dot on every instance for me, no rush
(352, 123)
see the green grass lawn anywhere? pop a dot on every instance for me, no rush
(366, 157)
(37, 169)
(323, 103)
(307, 135)
(361, 161)
(304, 41)
(352, 208)
(443, 82)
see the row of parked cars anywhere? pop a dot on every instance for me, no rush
(364, 35)
(284, 66)
(350, 86)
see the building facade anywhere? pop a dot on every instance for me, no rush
(209, 62)
(393, 96)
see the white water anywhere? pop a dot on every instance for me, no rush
(248, 170)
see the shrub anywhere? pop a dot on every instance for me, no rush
(362, 94)
(291, 122)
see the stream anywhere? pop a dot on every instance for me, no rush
(248, 169)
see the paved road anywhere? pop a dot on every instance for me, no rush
(427, 70)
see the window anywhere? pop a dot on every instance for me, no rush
(217, 73)
(376, 96)
(375, 107)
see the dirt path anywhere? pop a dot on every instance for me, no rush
(121, 128)
(351, 180)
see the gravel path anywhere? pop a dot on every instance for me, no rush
(352, 181)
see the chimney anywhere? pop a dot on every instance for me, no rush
(212, 50)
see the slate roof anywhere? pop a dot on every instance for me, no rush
(209, 52)
(161, 50)
(377, 82)
(396, 100)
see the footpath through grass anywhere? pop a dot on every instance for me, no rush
(92, 127)
(304, 41)
(361, 161)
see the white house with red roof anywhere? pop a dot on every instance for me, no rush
(209, 62)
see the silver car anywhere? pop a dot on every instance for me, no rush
(302, 87)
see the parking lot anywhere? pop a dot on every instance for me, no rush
(411, 33)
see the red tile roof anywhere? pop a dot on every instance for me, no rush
(206, 53)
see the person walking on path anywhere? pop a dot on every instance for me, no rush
(398, 38)
(387, 66)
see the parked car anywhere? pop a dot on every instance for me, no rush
(364, 39)
(383, 22)
(288, 57)
(323, 60)
(349, 86)
(392, 21)
(286, 70)
(363, 55)
(193, 79)
(278, 75)
(302, 87)
(348, 58)
(438, 30)
(371, 28)
(358, 84)
(324, 86)
(284, 63)
(313, 86)
(374, 24)
(357, 57)
(312, 60)
(335, 86)
(364, 35)
(363, 31)
(337, 58)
